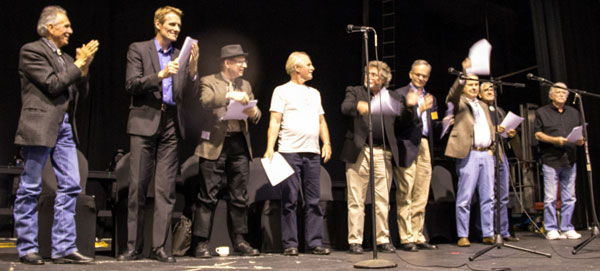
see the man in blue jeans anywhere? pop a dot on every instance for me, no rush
(298, 120)
(553, 123)
(50, 81)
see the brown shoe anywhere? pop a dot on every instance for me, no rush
(488, 240)
(464, 242)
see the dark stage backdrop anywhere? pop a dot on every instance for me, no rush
(440, 31)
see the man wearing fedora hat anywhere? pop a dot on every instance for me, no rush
(225, 151)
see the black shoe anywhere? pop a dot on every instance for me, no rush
(410, 247)
(511, 239)
(320, 251)
(355, 249)
(74, 257)
(129, 255)
(32, 258)
(246, 249)
(161, 255)
(202, 251)
(387, 248)
(290, 251)
(426, 246)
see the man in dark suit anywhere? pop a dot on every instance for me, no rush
(50, 82)
(156, 82)
(225, 151)
(356, 154)
(471, 143)
(415, 146)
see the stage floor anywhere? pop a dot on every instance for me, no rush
(447, 257)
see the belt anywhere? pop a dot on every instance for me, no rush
(488, 148)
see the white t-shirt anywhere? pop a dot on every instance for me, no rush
(301, 109)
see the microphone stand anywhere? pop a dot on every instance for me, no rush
(373, 263)
(588, 166)
(498, 241)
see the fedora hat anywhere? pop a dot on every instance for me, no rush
(232, 50)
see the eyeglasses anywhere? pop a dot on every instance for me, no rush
(240, 62)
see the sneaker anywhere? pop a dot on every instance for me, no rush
(554, 235)
(464, 242)
(572, 234)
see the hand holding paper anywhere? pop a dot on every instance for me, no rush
(480, 58)
(575, 134)
(185, 49)
(235, 110)
(277, 168)
(510, 122)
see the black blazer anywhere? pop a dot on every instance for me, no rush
(409, 131)
(45, 94)
(357, 130)
(141, 82)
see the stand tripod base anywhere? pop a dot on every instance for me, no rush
(578, 247)
(500, 243)
(375, 264)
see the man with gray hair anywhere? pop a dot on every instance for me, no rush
(297, 119)
(50, 81)
(553, 122)
(356, 154)
(415, 147)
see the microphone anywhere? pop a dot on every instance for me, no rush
(454, 71)
(539, 79)
(352, 28)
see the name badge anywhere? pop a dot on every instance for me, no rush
(205, 135)
(434, 115)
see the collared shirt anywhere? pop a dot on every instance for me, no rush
(232, 125)
(423, 117)
(164, 57)
(481, 129)
(550, 121)
(61, 60)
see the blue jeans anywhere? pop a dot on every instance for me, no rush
(307, 165)
(63, 157)
(504, 178)
(566, 178)
(476, 170)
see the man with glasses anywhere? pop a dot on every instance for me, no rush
(356, 154)
(553, 123)
(415, 146)
(225, 151)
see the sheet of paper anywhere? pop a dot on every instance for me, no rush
(186, 49)
(235, 110)
(480, 58)
(575, 134)
(383, 103)
(510, 122)
(447, 119)
(277, 169)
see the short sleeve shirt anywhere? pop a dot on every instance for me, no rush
(550, 121)
(301, 109)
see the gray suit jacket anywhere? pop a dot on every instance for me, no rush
(141, 82)
(45, 93)
(461, 137)
(213, 89)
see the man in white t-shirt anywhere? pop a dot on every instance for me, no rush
(297, 120)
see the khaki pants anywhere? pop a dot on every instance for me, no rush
(357, 177)
(412, 195)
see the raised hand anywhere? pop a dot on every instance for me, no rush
(193, 62)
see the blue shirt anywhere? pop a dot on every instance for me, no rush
(167, 84)
(422, 116)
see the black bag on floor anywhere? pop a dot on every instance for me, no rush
(182, 236)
